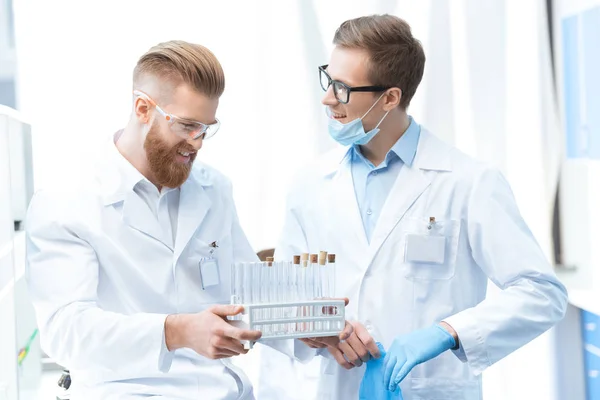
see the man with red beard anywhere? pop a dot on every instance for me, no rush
(129, 273)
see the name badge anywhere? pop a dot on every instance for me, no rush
(209, 272)
(425, 248)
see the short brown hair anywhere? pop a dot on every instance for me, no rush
(182, 62)
(397, 59)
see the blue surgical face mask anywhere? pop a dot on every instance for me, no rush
(353, 132)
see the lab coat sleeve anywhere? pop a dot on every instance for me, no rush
(62, 273)
(531, 299)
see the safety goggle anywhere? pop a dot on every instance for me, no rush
(183, 127)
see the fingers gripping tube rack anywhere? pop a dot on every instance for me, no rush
(288, 300)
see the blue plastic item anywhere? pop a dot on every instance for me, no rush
(372, 387)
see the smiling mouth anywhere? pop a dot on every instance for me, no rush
(335, 115)
(185, 156)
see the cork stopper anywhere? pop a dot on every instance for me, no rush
(296, 260)
(322, 257)
(331, 258)
(314, 258)
(304, 258)
(270, 261)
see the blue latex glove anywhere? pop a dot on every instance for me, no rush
(371, 386)
(413, 349)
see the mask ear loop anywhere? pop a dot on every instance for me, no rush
(376, 101)
(381, 120)
(369, 110)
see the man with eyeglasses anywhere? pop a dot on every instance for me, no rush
(418, 228)
(129, 271)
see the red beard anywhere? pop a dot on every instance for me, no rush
(162, 160)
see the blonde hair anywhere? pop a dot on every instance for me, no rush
(179, 62)
(397, 59)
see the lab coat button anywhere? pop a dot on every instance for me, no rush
(369, 212)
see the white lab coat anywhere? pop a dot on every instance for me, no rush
(103, 280)
(486, 237)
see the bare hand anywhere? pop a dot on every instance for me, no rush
(208, 333)
(325, 341)
(359, 348)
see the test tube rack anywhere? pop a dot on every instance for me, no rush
(291, 320)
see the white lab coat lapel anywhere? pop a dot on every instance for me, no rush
(115, 189)
(412, 181)
(409, 185)
(194, 205)
(137, 215)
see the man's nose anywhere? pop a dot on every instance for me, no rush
(329, 98)
(196, 143)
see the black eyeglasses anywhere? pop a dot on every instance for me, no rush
(341, 91)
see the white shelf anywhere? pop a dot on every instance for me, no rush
(581, 294)
(19, 261)
(585, 299)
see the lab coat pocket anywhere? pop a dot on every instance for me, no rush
(442, 389)
(430, 248)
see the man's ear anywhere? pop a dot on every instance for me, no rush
(392, 98)
(142, 110)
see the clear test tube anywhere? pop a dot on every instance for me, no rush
(331, 275)
(311, 292)
(331, 278)
(303, 288)
(260, 281)
(276, 294)
(302, 277)
(294, 275)
(312, 268)
(247, 283)
(320, 275)
(236, 286)
(321, 280)
(270, 313)
(266, 285)
(284, 292)
(285, 282)
(251, 293)
(255, 295)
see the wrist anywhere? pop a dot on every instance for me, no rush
(174, 332)
(452, 333)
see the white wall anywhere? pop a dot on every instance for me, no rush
(7, 51)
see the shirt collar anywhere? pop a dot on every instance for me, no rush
(405, 148)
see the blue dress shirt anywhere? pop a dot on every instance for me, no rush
(372, 184)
